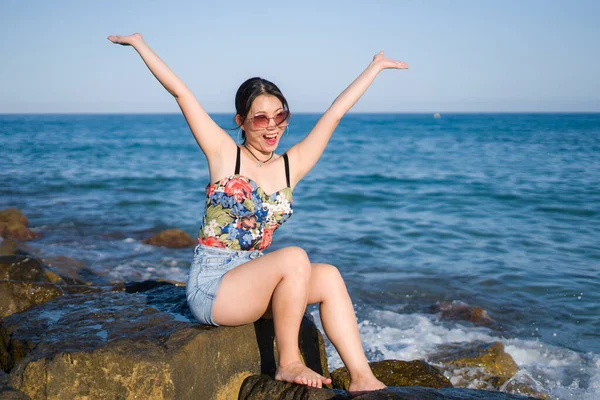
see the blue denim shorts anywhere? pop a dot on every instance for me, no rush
(206, 272)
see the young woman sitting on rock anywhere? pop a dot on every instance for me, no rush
(231, 282)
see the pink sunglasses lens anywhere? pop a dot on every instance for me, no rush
(281, 117)
(261, 121)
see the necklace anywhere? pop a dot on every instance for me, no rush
(259, 163)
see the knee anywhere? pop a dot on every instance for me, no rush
(296, 262)
(332, 275)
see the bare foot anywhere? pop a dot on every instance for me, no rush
(365, 385)
(297, 372)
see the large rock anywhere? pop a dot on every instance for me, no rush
(136, 345)
(13, 224)
(397, 373)
(459, 311)
(476, 365)
(261, 388)
(174, 238)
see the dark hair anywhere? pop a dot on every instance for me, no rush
(249, 91)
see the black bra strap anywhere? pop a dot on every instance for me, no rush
(237, 162)
(287, 169)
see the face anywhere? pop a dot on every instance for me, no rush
(262, 131)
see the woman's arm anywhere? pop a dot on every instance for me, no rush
(208, 134)
(306, 153)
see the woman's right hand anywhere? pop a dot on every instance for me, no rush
(125, 40)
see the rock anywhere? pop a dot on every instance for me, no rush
(16, 296)
(524, 384)
(58, 269)
(22, 268)
(13, 215)
(262, 387)
(19, 296)
(66, 270)
(9, 247)
(459, 311)
(136, 345)
(24, 282)
(397, 373)
(7, 392)
(13, 224)
(487, 363)
(174, 238)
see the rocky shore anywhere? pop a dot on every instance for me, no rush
(63, 337)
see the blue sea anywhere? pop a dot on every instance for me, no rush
(499, 211)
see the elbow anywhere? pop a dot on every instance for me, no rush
(180, 92)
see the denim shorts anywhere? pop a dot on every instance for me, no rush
(206, 272)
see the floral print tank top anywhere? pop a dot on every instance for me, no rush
(240, 215)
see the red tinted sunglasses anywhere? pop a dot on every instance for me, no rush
(262, 121)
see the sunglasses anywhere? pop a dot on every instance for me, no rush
(262, 121)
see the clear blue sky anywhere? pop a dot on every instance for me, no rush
(471, 55)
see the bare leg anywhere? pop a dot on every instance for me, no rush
(339, 321)
(279, 279)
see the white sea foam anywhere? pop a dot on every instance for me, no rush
(563, 373)
(136, 270)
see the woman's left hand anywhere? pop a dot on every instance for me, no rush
(383, 62)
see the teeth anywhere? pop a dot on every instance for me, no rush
(270, 136)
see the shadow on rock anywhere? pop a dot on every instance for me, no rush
(262, 387)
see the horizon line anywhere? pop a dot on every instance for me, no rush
(301, 112)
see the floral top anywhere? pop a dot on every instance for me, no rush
(241, 216)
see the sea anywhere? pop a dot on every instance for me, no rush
(498, 211)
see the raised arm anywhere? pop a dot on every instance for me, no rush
(210, 137)
(306, 153)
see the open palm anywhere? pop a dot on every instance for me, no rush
(124, 40)
(385, 62)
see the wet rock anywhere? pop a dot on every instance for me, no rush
(174, 238)
(19, 296)
(476, 365)
(397, 373)
(25, 282)
(459, 311)
(136, 345)
(13, 224)
(262, 387)
(22, 268)
(524, 384)
(66, 270)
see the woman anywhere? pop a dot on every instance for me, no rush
(231, 282)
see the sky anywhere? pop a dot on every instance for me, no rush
(463, 55)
